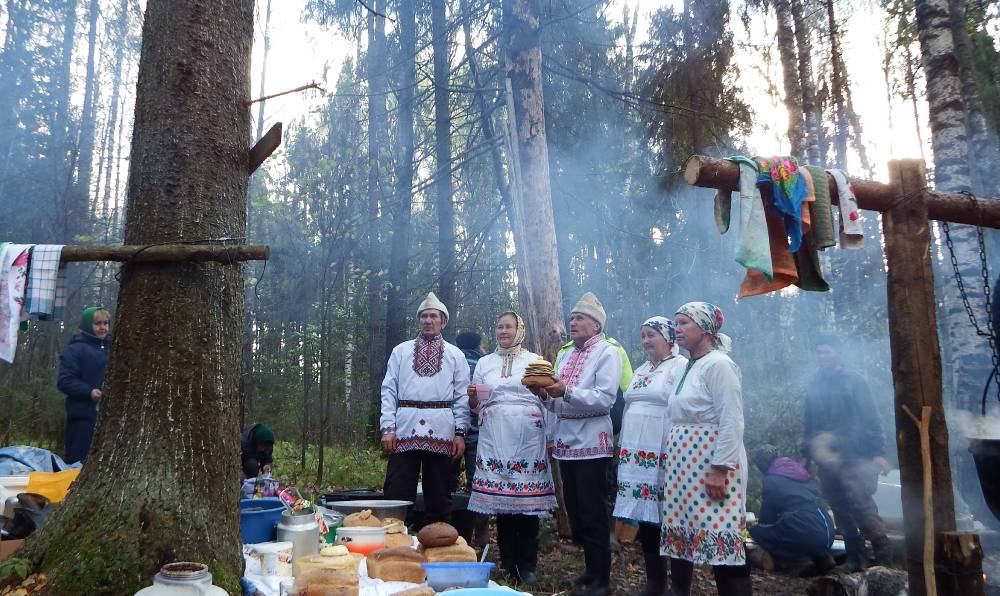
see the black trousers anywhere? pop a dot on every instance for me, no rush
(401, 477)
(517, 537)
(586, 495)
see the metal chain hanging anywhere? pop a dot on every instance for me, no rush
(990, 332)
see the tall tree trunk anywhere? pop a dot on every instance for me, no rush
(537, 246)
(442, 160)
(790, 76)
(377, 133)
(163, 465)
(88, 117)
(399, 261)
(808, 83)
(982, 141)
(64, 156)
(838, 85)
(910, 76)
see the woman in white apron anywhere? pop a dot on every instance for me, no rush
(642, 450)
(704, 504)
(512, 480)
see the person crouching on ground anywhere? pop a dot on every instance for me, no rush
(641, 454)
(256, 450)
(81, 377)
(704, 504)
(425, 413)
(792, 529)
(582, 398)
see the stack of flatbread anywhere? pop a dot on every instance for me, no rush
(538, 374)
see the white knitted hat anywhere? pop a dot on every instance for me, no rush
(589, 305)
(431, 301)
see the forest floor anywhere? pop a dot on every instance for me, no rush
(559, 561)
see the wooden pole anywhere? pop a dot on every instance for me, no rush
(166, 253)
(710, 172)
(916, 363)
(963, 563)
(923, 425)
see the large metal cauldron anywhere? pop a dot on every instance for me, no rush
(986, 453)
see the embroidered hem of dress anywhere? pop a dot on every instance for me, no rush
(583, 453)
(441, 446)
(705, 547)
(491, 504)
(640, 511)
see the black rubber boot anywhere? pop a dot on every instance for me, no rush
(882, 551)
(656, 571)
(681, 576)
(601, 586)
(527, 553)
(588, 576)
(732, 581)
(507, 543)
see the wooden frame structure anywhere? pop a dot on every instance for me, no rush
(939, 560)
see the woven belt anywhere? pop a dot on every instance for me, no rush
(424, 405)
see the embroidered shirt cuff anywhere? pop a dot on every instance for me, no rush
(459, 432)
(389, 429)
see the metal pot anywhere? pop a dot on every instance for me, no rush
(380, 509)
(986, 453)
(299, 528)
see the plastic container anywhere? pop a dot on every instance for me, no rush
(362, 540)
(258, 518)
(182, 579)
(333, 520)
(441, 576)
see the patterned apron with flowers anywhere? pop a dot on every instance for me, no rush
(696, 527)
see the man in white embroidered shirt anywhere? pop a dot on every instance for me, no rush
(425, 413)
(587, 383)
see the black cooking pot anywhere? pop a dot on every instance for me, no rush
(986, 453)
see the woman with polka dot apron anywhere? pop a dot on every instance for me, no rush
(704, 502)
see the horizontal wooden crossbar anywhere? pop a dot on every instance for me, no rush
(167, 253)
(722, 174)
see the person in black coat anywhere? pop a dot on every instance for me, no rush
(257, 449)
(81, 377)
(792, 527)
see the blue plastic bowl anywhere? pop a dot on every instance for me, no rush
(258, 518)
(441, 576)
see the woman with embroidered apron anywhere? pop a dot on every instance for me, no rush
(641, 454)
(704, 505)
(512, 479)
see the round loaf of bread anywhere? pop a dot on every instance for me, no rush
(362, 518)
(437, 534)
(537, 381)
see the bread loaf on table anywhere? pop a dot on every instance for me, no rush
(456, 553)
(437, 534)
(401, 564)
(362, 518)
(423, 591)
(398, 540)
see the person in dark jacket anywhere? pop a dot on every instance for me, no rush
(843, 436)
(792, 527)
(81, 376)
(256, 447)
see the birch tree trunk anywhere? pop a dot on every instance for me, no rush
(442, 160)
(537, 249)
(399, 260)
(159, 482)
(983, 148)
(790, 76)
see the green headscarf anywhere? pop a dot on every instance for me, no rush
(87, 321)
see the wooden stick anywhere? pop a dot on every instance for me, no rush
(166, 253)
(923, 426)
(264, 147)
(722, 174)
(313, 85)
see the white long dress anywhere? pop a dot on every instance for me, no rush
(642, 450)
(706, 416)
(512, 470)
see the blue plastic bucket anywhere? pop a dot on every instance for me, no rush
(258, 518)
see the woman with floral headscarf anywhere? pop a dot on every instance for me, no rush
(512, 478)
(704, 505)
(642, 452)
